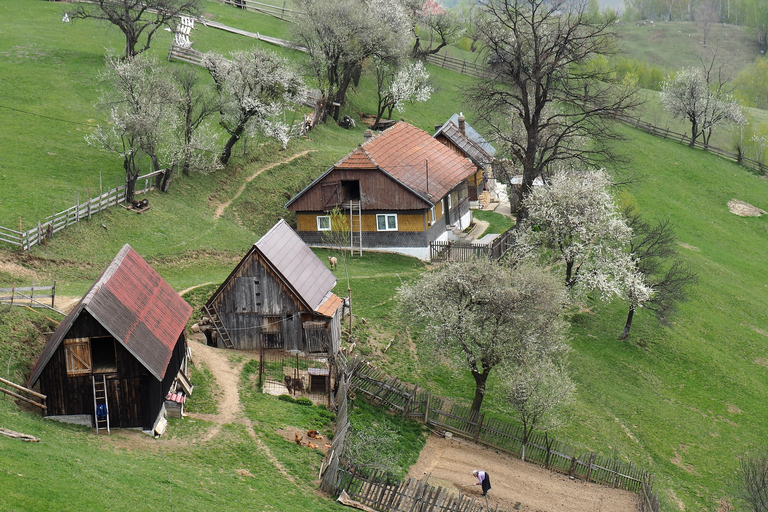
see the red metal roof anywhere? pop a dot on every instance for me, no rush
(415, 159)
(136, 306)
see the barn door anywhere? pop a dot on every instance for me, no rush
(316, 337)
(331, 193)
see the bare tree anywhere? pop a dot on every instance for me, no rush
(339, 237)
(138, 20)
(140, 120)
(255, 88)
(398, 85)
(706, 16)
(753, 474)
(702, 97)
(574, 223)
(538, 391)
(654, 247)
(340, 34)
(484, 315)
(546, 100)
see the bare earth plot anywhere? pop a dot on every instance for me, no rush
(515, 485)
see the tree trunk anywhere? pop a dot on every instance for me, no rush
(480, 379)
(569, 281)
(227, 153)
(694, 132)
(628, 326)
(166, 182)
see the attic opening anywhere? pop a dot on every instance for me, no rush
(350, 190)
(103, 354)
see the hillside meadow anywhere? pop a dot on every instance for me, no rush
(684, 401)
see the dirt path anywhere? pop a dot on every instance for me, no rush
(220, 208)
(515, 485)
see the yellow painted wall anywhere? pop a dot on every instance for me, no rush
(405, 222)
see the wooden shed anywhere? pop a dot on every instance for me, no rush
(115, 357)
(399, 191)
(278, 297)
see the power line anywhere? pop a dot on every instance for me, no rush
(43, 116)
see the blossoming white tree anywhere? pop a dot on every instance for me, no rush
(255, 88)
(537, 392)
(696, 95)
(573, 222)
(483, 315)
(400, 85)
(140, 119)
(339, 35)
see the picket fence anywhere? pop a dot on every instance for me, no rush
(52, 224)
(455, 251)
(444, 416)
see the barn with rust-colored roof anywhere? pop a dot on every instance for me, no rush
(278, 297)
(118, 353)
(398, 191)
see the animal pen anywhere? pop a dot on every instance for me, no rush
(296, 374)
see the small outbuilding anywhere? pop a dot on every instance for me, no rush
(278, 297)
(117, 355)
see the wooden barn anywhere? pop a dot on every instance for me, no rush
(399, 191)
(115, 357)
(278, 297)
(458, 135)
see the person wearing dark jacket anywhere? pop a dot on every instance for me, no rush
(483, 480)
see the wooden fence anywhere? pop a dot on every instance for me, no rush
(40, 402)
(452, 251)
(441, 414)
(25, 295)
(45, 229)
(459, 65)
(270, 10)
(377, 492)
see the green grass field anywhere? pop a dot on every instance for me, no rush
(683, 401)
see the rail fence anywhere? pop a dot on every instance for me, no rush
(459, 65)
(25, 295)
(453, 251)
(441, 414)
(46, 228)
(271, 10)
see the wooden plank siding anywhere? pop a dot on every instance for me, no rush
(135, 396)
(405, 221)
(252, 294)
(377, 192)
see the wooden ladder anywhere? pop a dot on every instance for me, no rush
(100, 400)
(219, 326)
(355, 228)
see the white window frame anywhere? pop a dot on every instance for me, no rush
(320, 227)
(387, 217)
(432, 215)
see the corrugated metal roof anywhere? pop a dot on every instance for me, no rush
(471, 134)
(136, 306)
(469, 147)
(296, 264)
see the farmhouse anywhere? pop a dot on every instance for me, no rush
(458, 135)
(278, 297)
(398, 191)
(115, 357)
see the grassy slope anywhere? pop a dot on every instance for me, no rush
(683, 402)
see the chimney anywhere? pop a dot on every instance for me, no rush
(461, 124)
(367, 135)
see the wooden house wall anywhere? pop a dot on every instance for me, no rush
(377, 192)
(252, 293)
(135, 395)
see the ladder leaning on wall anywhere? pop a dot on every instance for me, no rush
(355, 228)
(100, 405)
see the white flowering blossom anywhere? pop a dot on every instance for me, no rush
(255, 88)
(691, 96)
(574, 222)
(400, 85)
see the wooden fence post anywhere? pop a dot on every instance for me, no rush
(574, 459)
(53, 294)
(589, 470)
(426, 409)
